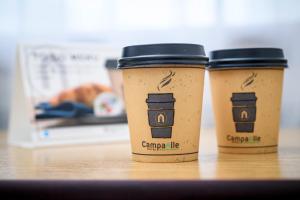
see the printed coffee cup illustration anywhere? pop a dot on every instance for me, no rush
(161, 114)
(246, 88)
(163, 89)
(244, 111)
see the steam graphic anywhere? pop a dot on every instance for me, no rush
(166, 80)
(249, 80)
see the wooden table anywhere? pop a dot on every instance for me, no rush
(98, 162)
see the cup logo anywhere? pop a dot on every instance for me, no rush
(250, 80)
(244, 111)
(161, 110)
(166, 80)
(161, 119)
(161, 114)
(244, 115)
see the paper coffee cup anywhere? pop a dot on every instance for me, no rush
(246, 86)
(163, 87)
(115, 76)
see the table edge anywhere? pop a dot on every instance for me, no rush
(111, 189)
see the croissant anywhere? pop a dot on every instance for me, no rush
(82, 94)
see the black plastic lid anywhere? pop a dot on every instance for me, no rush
(156, 54)
(247, 57)
(111, 63)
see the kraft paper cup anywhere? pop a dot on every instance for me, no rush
(115, 77)
(163, 87)
(246, 86)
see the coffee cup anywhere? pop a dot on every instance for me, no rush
(115, 76)
(163, 89)
(246, 87)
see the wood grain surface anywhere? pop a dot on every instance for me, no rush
(113, 162)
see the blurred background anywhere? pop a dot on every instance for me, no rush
(214, 23)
